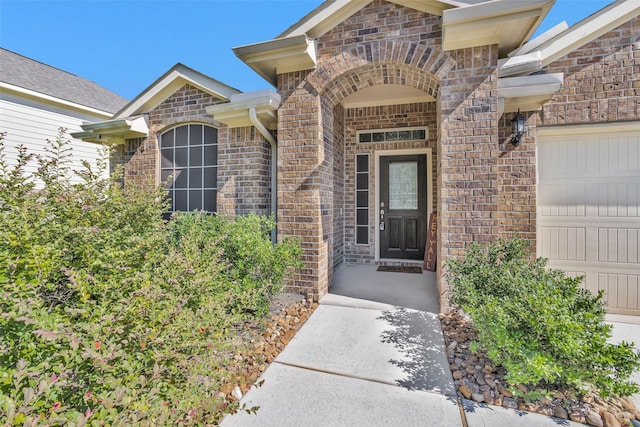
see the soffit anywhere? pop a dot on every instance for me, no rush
(386, 95)
(114, 131)
(507, 23)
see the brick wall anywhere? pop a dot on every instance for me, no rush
(517, 181)
(244, 173)
(601, 80)
(300, 156)
(381, 22)
(468, 158)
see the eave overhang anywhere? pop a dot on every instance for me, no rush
(507, 23)
(114, 131)
(236, 113)
(278, 56)
(168, 84)
(527, 93)
(51, 100)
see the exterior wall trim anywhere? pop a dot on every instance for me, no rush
(376, 177)
(628, 126)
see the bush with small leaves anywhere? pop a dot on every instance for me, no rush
(109, 314)
(538, 323)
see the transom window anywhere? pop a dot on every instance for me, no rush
(393, 135)
(189, 166)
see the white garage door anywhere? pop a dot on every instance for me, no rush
(589, 207)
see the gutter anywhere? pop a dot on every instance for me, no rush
(274, 165)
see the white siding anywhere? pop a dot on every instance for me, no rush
(31, 123)
(589, 210)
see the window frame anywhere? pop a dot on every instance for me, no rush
(179, 159)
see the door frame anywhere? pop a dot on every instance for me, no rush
(376, 173)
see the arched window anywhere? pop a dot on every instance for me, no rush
(190, 155)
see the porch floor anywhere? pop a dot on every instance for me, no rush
(410, 290)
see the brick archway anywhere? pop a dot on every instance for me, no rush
(383, 62)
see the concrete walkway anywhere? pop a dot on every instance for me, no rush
(358, 362)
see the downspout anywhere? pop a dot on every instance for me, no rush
(274, 165)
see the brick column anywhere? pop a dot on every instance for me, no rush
(305, 188)
(468, 150)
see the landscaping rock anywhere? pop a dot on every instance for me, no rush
(237, 393)
(628, 405)
(577, 417)
(609, 420)
(474, 373)
(477, 397)
(509, 403)
(466, 392)
(503, 391)
(288, 313)
(559, 412)
(594, 419)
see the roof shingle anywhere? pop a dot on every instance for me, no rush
(29, 74)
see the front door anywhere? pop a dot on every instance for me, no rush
(403, 206)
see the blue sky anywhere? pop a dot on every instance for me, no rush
(125, 45)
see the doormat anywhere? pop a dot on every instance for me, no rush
(396, 269)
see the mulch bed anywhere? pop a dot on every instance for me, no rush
(477, 379)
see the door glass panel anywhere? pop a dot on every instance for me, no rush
(403, 185)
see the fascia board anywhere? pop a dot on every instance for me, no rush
(271, 57)
(542, 38)
(589, 29)
(125, 128)
(491, 9)
(52, 100)
(262, 99)
(432, 7)
(324, 18)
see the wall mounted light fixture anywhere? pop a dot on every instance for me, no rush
(517, 129)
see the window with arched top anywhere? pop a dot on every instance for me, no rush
(189, 166)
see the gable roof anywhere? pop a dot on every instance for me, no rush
(333, 12)
(29, 74)
(466, 23)
(168, 83)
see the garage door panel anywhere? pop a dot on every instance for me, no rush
(621, 290)
(589, 210)
(618, 245)
(563, 199)
(563, 243)
(619, 199)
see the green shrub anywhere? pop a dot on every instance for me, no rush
(538, 323)
(109, 314)
(255, 268)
